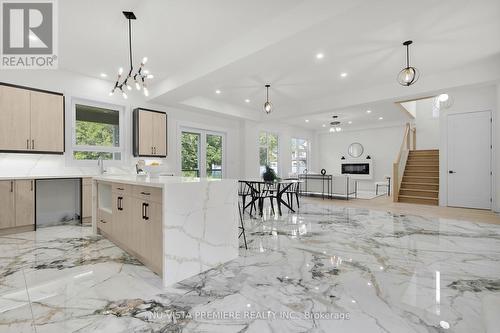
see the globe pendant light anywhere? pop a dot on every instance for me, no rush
(140, 76)
(268, 107)
(408, 75)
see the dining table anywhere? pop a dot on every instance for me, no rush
(260, 188)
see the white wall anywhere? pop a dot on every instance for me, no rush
(241, 136)
(382, 144)
(285, 133)
(427, 125)
(470, 99)
(73, 85)
(496, 152)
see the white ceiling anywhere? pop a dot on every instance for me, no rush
(196, 47)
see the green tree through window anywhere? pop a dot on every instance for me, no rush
(96, 127)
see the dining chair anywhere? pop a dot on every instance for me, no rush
(244, 191)
(292, 191)
(242, 228)
(268, 191)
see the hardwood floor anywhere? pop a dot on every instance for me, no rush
(385, 203)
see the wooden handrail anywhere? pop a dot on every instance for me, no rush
(401, 148)
(408, 143)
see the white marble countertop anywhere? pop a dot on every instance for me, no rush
(45, 176)
(161, 181)
(199, 221)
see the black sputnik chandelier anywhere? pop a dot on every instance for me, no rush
(140, 76)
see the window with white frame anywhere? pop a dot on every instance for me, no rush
(268, 151)
(299, 149)
(97, 131)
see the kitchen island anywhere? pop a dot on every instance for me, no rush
(176, 226)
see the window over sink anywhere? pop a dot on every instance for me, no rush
(97, 132)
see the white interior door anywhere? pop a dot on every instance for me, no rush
(469, 160)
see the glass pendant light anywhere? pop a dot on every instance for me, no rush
(335, 125)
(408, 75)
(268, 107)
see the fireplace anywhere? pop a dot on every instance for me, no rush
(356, 168)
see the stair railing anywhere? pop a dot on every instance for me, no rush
(399, 165)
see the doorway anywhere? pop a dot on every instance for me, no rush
(202, 153)
(469, 160)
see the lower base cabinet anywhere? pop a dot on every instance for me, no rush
(17, 204)
(136, 224)
(86, 200)
(147, 231)
(7, 204)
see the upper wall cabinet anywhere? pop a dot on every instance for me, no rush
(31, 121)
(150, 133)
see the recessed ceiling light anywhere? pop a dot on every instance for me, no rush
(349, 122)
(343, 74)
(320, 56)
(247, 100)
(443, 97)
(380, 118)
(218, 92)
(444, 324)
(307, 120)
(103, 75)
(368, 111)
(324, 125)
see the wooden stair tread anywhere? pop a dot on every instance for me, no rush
(418, 190)
(417, 197)
(416, 176)
(419, 165)
(420, 183)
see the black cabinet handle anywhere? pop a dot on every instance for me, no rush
(11, 186)
(451, 171)
(102, 221)
(119, 188)
(27, 143)
(32, 144)
(145, 193)
(145, 211)
(119, 203)
(31, 186)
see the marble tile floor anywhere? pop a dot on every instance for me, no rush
(323, 269)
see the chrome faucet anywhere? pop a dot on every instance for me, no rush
(100, 163)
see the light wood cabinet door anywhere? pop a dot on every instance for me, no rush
(145, 133)
(7, 206)
(24, 202)
(86, 201)
(14, 118)
(147, 239)
(138, 240)
(154, 237)
(47, 122)
(160, 133)
(105, 221)
(122, 219)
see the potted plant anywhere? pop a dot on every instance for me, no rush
(269, 175)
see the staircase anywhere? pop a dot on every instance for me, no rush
(420, 182)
